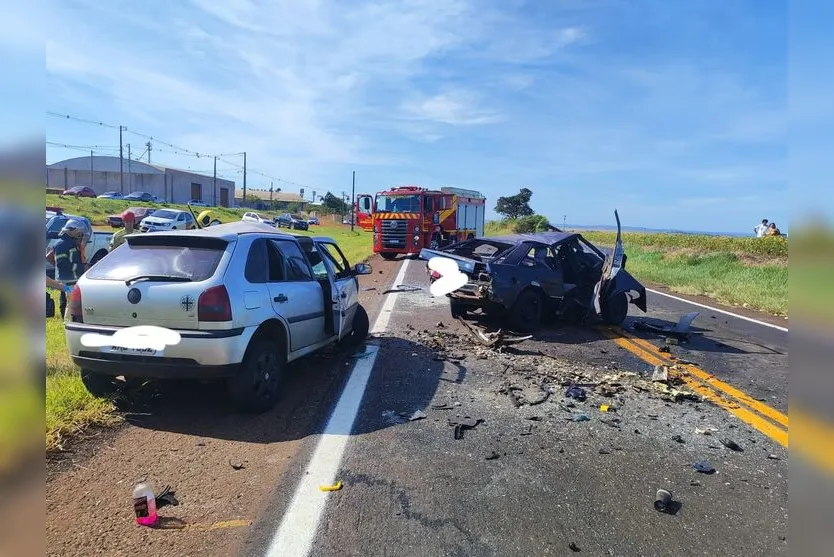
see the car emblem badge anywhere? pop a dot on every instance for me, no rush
(187, 303)
(133, 296)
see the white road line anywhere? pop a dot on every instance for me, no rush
(297, 530)
(725, 312)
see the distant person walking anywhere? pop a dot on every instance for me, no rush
(772, 230)
(760, 229)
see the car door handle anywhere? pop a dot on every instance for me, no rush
(280, 298)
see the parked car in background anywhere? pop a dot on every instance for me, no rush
(96, 244)
(197, 203)
(80, 191)
(167, 219)
(139, 212)
(245, 299)
(313, 220)
(256, 217)
(141, 196)
(111, 195)
(291, 221)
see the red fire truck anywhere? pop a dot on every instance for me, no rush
(405, 219)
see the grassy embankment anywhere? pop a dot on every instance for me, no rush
(746, 272)
(69, 408)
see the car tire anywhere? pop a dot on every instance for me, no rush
(255, 388)
(615, 309)
(388, 256)
(98, 384)
(457, 308)
(359, 329)
(527, 311)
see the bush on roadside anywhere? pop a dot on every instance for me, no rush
(531, 223)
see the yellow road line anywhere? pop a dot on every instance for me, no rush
(754, 420)
(714, 382)
(814, 438)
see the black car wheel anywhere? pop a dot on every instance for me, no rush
(526, 313)
(615, 309)
(255, 387)
(457, 308)
(388, 256)
(360, 328)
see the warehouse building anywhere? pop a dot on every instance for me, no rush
(172, 185)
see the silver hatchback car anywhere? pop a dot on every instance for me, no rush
(244, 299)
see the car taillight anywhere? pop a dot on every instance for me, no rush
(74, 306)
(214, 305)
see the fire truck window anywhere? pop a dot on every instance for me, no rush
(427, 204)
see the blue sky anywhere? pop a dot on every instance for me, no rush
(674, 113)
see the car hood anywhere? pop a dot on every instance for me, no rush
(157, 221)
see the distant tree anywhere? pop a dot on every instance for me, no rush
(515, 206)
(531, 223)
(335, 204)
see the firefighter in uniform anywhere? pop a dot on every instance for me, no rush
(68, 257)
(129, 220)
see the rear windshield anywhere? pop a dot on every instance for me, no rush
(196, 262)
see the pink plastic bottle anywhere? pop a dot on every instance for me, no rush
(144, 503)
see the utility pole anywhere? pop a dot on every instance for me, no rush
(91, 169)
(129, 172)
(214, 184)
(150, 147)
(270, 192)
(352, 200)
(244, 178)
(121, 161)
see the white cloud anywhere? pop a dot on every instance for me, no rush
(452, 107)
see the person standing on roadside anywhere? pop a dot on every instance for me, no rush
(67, 257)
(760, 229)
(129, 220)
(772, 230)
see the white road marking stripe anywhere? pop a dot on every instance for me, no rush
(381, 323)
(725, 312)
(298, 527)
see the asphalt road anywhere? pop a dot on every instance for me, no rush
(529, 479)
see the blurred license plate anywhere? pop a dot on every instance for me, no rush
(131, 351)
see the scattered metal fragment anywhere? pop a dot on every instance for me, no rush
(678, 439)
(680, 331)
(664, 349)
(604, 451)
(705, 431)
(704, 467)
(462, 424)
(573, 547)
(773, 457)
(661, 374)
(732, 445)
(695, 483)
(580, 418)
(576, 392)
(613, 422)
(335, 487)
(492, 456)
(417, 415)
(662, 499)
(440, 325)
(492, 339)
(442, 406)
(528, 430)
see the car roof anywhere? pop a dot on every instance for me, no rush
(540, 237)
(229, 231)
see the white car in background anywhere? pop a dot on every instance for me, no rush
(256, 217)
(167, 219)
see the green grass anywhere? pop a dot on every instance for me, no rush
(749, 272)
(70, 409)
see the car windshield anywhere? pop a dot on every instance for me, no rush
(398, 203)
(296, 217)
(195, 263)
(165, 214)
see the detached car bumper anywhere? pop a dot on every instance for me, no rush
(199, 354)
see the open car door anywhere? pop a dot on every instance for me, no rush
(613, 264)
(365, 211)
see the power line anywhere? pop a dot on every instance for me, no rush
(177, 150)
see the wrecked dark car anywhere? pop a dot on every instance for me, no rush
(528, 277)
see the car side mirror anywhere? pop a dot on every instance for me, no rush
(362, 269)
